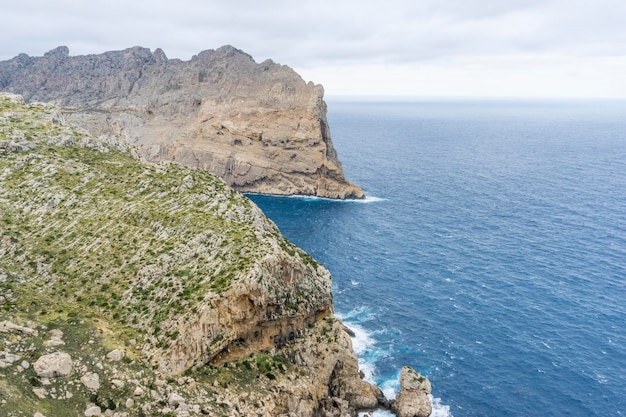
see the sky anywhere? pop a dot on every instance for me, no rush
(400, 48)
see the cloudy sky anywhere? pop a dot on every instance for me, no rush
(424, 48)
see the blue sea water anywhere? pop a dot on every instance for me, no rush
(490, 254)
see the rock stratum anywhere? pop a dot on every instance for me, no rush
(259, 127)
(136, 289)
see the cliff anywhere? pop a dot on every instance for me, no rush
(136, 289)
(259, 127)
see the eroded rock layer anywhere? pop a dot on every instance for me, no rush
(259, 127)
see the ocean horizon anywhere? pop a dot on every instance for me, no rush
(490, 254)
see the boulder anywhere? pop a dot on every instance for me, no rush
(175, 399)
(116, 355)
(91, 381)
(8, 327)
(56, 335)
(117, 383)
(7, 359)
(94, 410)
(54, 365)
(41, 393)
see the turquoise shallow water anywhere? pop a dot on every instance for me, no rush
(490, 256)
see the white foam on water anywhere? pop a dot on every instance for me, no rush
(363, 344)
(390, 387)
(377, 413)
(439, 409)
(371, 199)
(356, 315)
(367, 199)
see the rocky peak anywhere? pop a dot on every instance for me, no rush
(59, 52)
(159, 56)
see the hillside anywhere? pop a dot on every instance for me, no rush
(132, 289)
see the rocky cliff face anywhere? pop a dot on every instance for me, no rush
(259, 127)
(132, 289)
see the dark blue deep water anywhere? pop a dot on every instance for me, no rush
(490, 255)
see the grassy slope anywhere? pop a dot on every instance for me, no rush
(101, 232)
(107, 249)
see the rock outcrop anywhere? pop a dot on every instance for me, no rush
(259, 127)
(54, 365)
(130, 289)
(412, 400)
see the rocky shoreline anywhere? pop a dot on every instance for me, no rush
(114, 385)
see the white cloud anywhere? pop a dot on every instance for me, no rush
(482, 76)
(558, 46)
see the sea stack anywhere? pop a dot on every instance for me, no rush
(260, 127)
(412, 400)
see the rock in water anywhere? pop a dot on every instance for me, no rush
(412, 400)
(258, 126)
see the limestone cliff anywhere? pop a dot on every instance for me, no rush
(153, 289)
(259, 127)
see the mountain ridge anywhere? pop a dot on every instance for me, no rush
(260, 127)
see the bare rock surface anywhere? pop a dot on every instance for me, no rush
(412, 400)
(92, 411)
(116, 355)
(91, 381)
(56, 338)
(7, 359)
(8, 327)
(260, 127)
(54, 365)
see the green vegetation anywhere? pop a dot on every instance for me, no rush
(293, 250)
(86, 228)
(116, 254)
(85, 344)
(241, 375)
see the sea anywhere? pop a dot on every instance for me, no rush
(489, 255)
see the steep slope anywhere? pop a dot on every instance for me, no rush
(118, 276)
(259, 127)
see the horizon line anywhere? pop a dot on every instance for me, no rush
(415, 97)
